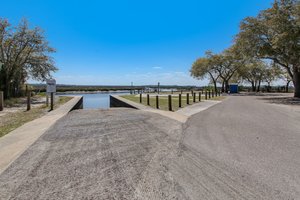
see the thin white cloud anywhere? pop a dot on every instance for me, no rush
(156, 67)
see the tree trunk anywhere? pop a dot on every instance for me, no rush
(223, 89)
(296, 81)
(269, 87)
(287, 86)
(226, 86)
(215, 85)
(253, 86)
(258, 87)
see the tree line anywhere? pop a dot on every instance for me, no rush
(24, 54)
(266, 48)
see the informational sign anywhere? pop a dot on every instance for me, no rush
(51, 85)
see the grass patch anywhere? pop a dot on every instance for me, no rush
(13, 120)
(163, 101)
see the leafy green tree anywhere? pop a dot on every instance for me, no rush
(205, 67)
(275, 34)
(24, 54)
(272, 72)
(227, 64)
(286, 78)
(253, 72)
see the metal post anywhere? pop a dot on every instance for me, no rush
(1, 101)
(148, 100)
(28, 99)
(157, 102)
(52, 101)
(187, 98)
(170, 102)
(179, 100)
(199, 96)
(141, 98)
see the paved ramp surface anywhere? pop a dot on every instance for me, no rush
(241, 148)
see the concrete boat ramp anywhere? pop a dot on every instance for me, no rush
(125, 153)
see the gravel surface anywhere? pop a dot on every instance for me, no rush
(242, 148)
(93, 154)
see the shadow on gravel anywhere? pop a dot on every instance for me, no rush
(260, 94)
(282, 100)
(275, 98)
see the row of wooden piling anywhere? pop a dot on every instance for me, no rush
(208, 94)
(28, 101)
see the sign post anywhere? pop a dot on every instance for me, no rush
(51, 88)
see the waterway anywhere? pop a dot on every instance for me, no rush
(96, 100)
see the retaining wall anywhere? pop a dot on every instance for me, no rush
(116, 102)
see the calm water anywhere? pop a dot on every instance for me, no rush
(96, 100)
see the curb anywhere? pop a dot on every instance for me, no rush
(181, 115)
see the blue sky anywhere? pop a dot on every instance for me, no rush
(118, 42)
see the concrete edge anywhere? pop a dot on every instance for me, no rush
(17, 141)
(181, 115)
(197, 108)
(117, 101)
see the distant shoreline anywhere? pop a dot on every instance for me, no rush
(94, 92)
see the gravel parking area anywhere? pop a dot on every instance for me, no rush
(241, 148)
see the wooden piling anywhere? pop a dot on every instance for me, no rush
(148, 100)
(179, 100)
(157, 102)
(1, 101)
(141, 98)
(194, 97)
(52, 101)
(170, 102)
(205, 94)
(199, 96)
(187, 98)
(28, 99)
(209, 94)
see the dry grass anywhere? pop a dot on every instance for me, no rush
(13, 120)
